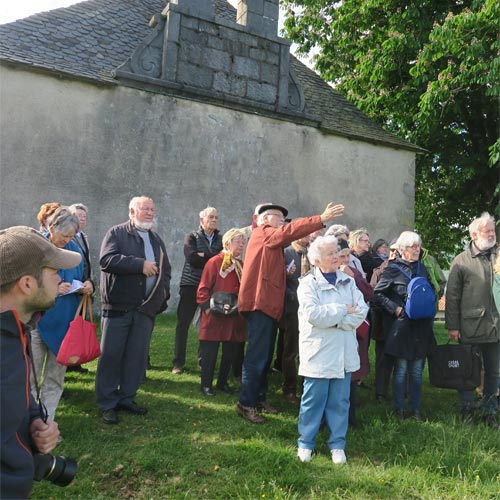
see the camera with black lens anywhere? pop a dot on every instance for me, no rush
(57, 470)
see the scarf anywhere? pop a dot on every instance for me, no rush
(305, 265)
(230, 263)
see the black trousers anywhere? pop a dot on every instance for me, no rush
(185, 313)
(290, 353)
(384, 366)
(209, 350)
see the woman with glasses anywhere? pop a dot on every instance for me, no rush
(51, 329)
(408, 341)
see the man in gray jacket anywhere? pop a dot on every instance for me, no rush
(471, 315)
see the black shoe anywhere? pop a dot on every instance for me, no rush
(77, 368)
(467, 416)
(399, 414)
(207, 391)
(225, 388)
(132, 408)
(415, 415)
(491, 421)
(110, 416)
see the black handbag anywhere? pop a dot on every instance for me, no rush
(224, 304)
(455, 366)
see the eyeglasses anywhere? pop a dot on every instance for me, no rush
(364, 240)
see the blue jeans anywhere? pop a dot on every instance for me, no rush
(261, 337)
(491, 365)
(328, 397)
(402, 367)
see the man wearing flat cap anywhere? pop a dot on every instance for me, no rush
(262, 295)
(28, 284)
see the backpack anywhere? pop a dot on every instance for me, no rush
(421, 298)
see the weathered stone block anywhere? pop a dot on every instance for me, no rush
(222, 82)
(216, 59)
(190, 22)
(261, 92)
(272, 9)
(191, 53)
(196, 76)
(210, 28)
(269, 73)
(193, 36)
(215, 42)
(258, 54)
(272, 58)
(244, 66)
(238, 86)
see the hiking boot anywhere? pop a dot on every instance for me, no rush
(338, 457)
(265, 407)
(304, 455)
(491, 421)
(250, 413)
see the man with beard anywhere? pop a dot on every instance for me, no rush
(29, 284)
(471, 316)
(135, 287)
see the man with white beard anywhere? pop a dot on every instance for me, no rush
(135, 287)
(471, 314)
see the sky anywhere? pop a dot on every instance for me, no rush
(11, 10)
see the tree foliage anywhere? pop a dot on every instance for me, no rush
(429, 71)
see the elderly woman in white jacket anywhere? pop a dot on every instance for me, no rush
(330, 309)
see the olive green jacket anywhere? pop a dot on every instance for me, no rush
(470, 306)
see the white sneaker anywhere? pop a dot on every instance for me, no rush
(338, 457)
(304, 454)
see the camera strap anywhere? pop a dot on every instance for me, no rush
(44, 414)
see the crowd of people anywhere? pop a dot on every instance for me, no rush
(325, 294)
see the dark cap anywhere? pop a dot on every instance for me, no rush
(24, 251)
(269, 206)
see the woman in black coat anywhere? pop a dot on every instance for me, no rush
(409, 341)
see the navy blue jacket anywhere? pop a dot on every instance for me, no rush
(123, 285)
(18, 409)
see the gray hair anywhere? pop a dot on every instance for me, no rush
(208, 211)
(336, 229)
(134, 202)
(316, 247)
(480, 222)
(78, 206)
(407, 239)
(63, 221)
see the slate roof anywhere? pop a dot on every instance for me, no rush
(92, 38)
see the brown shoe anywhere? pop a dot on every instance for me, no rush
(265, 407)
(250, 413)
(291, 398)
(177, 370)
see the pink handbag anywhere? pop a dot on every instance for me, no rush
(80, 344)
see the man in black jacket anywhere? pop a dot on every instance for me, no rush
(135, 287)
(199, 247)
(28, 284)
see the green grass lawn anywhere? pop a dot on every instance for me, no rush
(192, 447)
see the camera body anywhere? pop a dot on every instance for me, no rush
(57, 470)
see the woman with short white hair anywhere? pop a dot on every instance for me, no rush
(408, 340)
(330, 309)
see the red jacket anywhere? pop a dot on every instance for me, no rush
(263, 282)
(216, 328)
